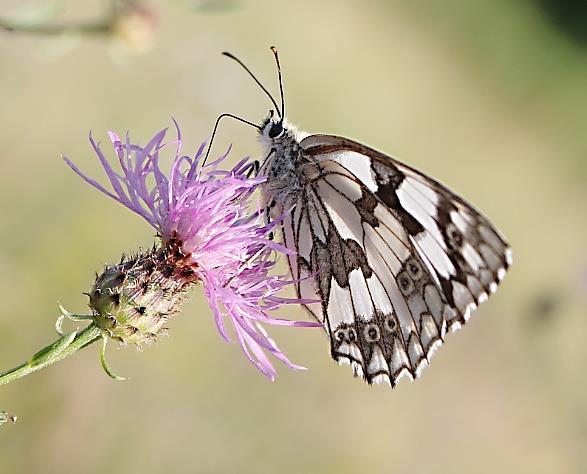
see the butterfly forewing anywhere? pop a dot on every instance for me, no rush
(395, 257)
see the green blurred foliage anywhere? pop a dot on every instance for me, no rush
(488, 97)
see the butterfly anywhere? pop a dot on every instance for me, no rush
(396, 258)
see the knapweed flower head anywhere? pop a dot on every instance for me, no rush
(208, 234)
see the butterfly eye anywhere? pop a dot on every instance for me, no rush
(275, 130)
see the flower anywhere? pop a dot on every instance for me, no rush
(208, 235)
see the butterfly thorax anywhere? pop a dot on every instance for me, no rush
(284, 162)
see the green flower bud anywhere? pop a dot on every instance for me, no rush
(133, 301)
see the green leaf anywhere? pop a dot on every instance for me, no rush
(50, 352)
(104, 362)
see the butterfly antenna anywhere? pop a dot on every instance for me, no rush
(232, 56)
(274, 50)
(220, 117)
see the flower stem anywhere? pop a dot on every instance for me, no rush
(60, 349)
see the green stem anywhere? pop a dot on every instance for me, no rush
(60, 349)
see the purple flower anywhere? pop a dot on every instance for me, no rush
(203, 217)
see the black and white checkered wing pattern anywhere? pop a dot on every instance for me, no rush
(396, 258)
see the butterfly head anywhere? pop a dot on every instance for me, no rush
(272, 131)
(272, 127)
(277, 132)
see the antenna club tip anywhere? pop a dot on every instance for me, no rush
(274, 49)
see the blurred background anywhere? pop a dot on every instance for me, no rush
(488, 97)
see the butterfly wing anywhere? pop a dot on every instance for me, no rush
(396, 258)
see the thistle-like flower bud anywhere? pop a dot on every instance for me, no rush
(132, 301)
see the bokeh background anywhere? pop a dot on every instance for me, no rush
(489, 97)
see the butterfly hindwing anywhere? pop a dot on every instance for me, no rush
(395, 257)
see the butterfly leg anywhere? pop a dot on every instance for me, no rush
(268, 209)
(254, 169)
(265, 163)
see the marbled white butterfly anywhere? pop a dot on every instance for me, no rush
(396, 258)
